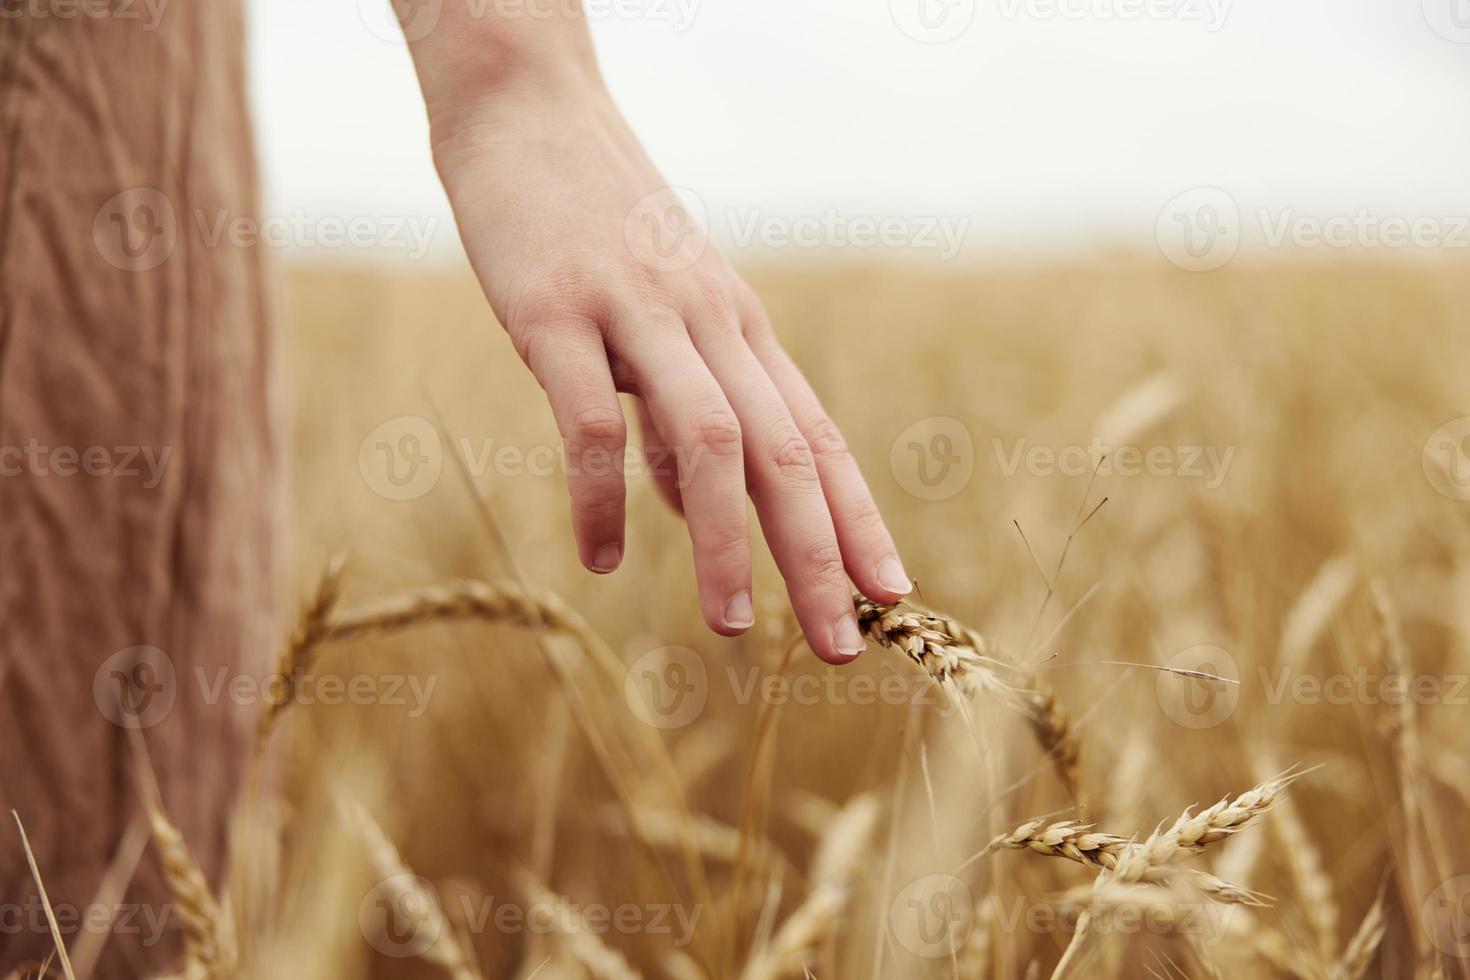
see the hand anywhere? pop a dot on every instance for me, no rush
(605, 285)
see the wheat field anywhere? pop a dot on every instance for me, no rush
(1181, 691)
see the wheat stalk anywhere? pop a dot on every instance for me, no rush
(445, 951)
(51, 923)
(839, 859)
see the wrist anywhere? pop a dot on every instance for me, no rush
(468, 61)
(521, 109)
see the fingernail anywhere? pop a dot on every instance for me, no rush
(846, 637)
(739, 613)
(892, 576)
(608, 558)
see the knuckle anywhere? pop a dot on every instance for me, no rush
(597, 509)
(822, 561)
(826, 440)
(732, 544)
(754, 320)
(599, 426)
(716, 432)
(712, 297)
(567, 294)
(791, 457)
(649, 287)
(864, 519)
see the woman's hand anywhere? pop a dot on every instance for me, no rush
(605, 284)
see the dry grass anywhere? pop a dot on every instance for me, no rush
(1054, 715)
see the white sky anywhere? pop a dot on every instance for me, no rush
(1045, 123)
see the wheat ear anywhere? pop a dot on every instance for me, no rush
(963, 659)
(210, 951)
(1364, 945)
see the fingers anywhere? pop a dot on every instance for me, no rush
(571, 364)
(784, 483)
(693, 417)
(659, 457)
(867, 548)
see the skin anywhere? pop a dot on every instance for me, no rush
(606, 285)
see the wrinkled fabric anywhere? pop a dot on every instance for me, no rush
(138, 449)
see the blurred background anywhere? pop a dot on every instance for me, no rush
(1204, 260)
(1043, 126)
